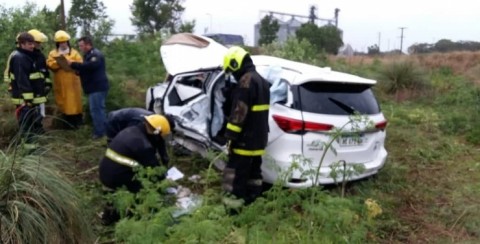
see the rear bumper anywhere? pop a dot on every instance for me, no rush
(272, 173)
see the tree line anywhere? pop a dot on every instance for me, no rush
(327, 38)
(444, 45)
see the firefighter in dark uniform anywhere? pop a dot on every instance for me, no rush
(132, 147)
(42, 80)
(120, 119)
(27, 95)
(247, 130)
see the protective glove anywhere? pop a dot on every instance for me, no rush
(228, 147)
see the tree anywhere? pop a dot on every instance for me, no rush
(19, 19)
(187, 26)
(373, 50)
(326, 38)
(268, 30)
(150, 16)
(90, 17)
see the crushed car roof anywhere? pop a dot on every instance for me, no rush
(307, 72)
(187, 52)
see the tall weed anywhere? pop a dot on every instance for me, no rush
(37, 204)
(403, 75)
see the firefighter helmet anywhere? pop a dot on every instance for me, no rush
(38, 36)
(159, 123)
(61, 36)
(233, 59)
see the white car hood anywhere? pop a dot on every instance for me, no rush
(187, 52)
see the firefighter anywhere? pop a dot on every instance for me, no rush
(246, 130)
(27, 95)
(67, 89)
(6, 73)
(134, 146)
(120, 119)
(42, 80)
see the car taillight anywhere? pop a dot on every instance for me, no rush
(381, 125)
(290, 125)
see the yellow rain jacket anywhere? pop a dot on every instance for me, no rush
(67, 87)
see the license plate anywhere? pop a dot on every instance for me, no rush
(350, 141)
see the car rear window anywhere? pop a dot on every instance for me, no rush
(335, 98)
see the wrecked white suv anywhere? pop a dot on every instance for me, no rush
(310, 108)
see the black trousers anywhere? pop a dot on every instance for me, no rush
(29, 122)
(243, 177)
(114, 176)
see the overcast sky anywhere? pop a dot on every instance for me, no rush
(361, 21)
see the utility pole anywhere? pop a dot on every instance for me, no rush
(379, 40)
(337, 10)
(401, 38)
(63, 23)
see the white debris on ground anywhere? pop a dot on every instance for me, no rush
(187, 201)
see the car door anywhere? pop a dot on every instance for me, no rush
(187, 101)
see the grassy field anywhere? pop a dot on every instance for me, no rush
(429, 190)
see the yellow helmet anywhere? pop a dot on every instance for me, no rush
(38, 36)
(159, 123)
(233, 59)
(61, 36)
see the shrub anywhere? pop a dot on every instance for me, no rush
(403, 75)
(293, 49)
(38, 205)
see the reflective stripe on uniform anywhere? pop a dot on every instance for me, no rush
(17, 101)
(36, 75)
(38, 100)
(7, 76)
(261, 107)
(27, 96)
(244, 152)
(234, 128)
(48, 80)
(120, 159)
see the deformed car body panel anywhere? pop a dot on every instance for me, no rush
(198, 113)
(186, 52)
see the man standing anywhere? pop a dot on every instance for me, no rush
(67, 89)
(43, 77)
(247, 129)
(94, 83)
(26, 94)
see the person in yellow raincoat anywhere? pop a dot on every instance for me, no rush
(67, 87)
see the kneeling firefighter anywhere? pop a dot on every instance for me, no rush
(133, 147)
(247, 129)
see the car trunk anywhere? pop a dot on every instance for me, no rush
(330, 107)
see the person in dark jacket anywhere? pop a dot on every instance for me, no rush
(133, 147)
(26, 95)
(94, 81)
(43, 80)
(247, 129)
(120, 119)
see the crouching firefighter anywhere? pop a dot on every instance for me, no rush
(246, 129)
(27, 92)
(132, 147)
